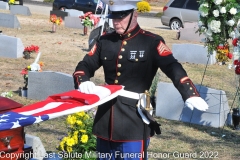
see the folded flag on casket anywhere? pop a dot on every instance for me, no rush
(58, 105)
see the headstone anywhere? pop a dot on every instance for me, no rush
(19, 9)
(9, 21)
(46, 83)
(169, 105)
(39, 151)
(74, 13)
(59, 13)
(11, 47)
(4, 5)
(189, 32)
(193, 53)
(73, 22)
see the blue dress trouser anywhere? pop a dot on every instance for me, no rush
(109, 150)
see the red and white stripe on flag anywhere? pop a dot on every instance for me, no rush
(58, 105)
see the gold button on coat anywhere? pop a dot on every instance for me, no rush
(125, 42)
(119, 65)
(120, 56)
(190, 88)
(122, 49)
(118, 73)
(105, 58)
(136, 59)
(116, 81)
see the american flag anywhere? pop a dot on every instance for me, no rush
(58, 105)
(100, 4)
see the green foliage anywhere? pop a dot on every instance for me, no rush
(80, 141)
(153, 87)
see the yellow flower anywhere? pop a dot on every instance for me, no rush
(75, 138)
(62, 145)
(84, 138)
(70, 141)
(81, 114)
(11, 1)
(29, 67)
(79, 122)
(86, 117)
(71, 120)
(69, 149)
(143, 6)
(82, 130)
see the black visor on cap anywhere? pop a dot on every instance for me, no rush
(119, 14)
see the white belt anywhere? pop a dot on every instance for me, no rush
(142, 102)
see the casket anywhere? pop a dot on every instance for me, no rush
(12, 141)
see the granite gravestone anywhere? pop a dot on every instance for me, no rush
(19, 9)
(11, 47)
(59, 13)
(189, 32)
(46, 83)
(193, 53)
(74, 13)
(4, 5)
(9, 21)
(73, 22)
(170, 105)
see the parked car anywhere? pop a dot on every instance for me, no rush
(81, 5)
(177, 12)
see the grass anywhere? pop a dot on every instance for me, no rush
(61, 52)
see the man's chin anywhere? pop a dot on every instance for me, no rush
(119, 31)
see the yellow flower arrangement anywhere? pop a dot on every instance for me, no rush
(80, 141)
(143, 6)
(11, 2)
(55, 19)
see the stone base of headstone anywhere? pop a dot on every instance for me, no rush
(193, 53)
(11, 47)
(39, 151)
(59, 13)
(170, 105)
(4, 5)
(46, 83)
(73, 22)
(9, 21)
(19, 9)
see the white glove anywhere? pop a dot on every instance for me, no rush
(87, 87)
(196, 102)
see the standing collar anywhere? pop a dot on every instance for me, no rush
(131, 33)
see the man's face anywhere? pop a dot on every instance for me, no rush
(120, 25)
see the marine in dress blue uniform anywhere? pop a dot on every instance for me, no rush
(130, 59)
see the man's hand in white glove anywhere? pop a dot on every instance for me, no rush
(196, 102)
(87, 87)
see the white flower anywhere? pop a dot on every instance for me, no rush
(232, 34)
(35, 67)
(215, 26)
(223, 10)
(209, 33)
(217, 2)
(238, 24)
(203, 14)
(230, 22)
(233, 11)
(216, 13)
(200, 23)
(205, 5)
